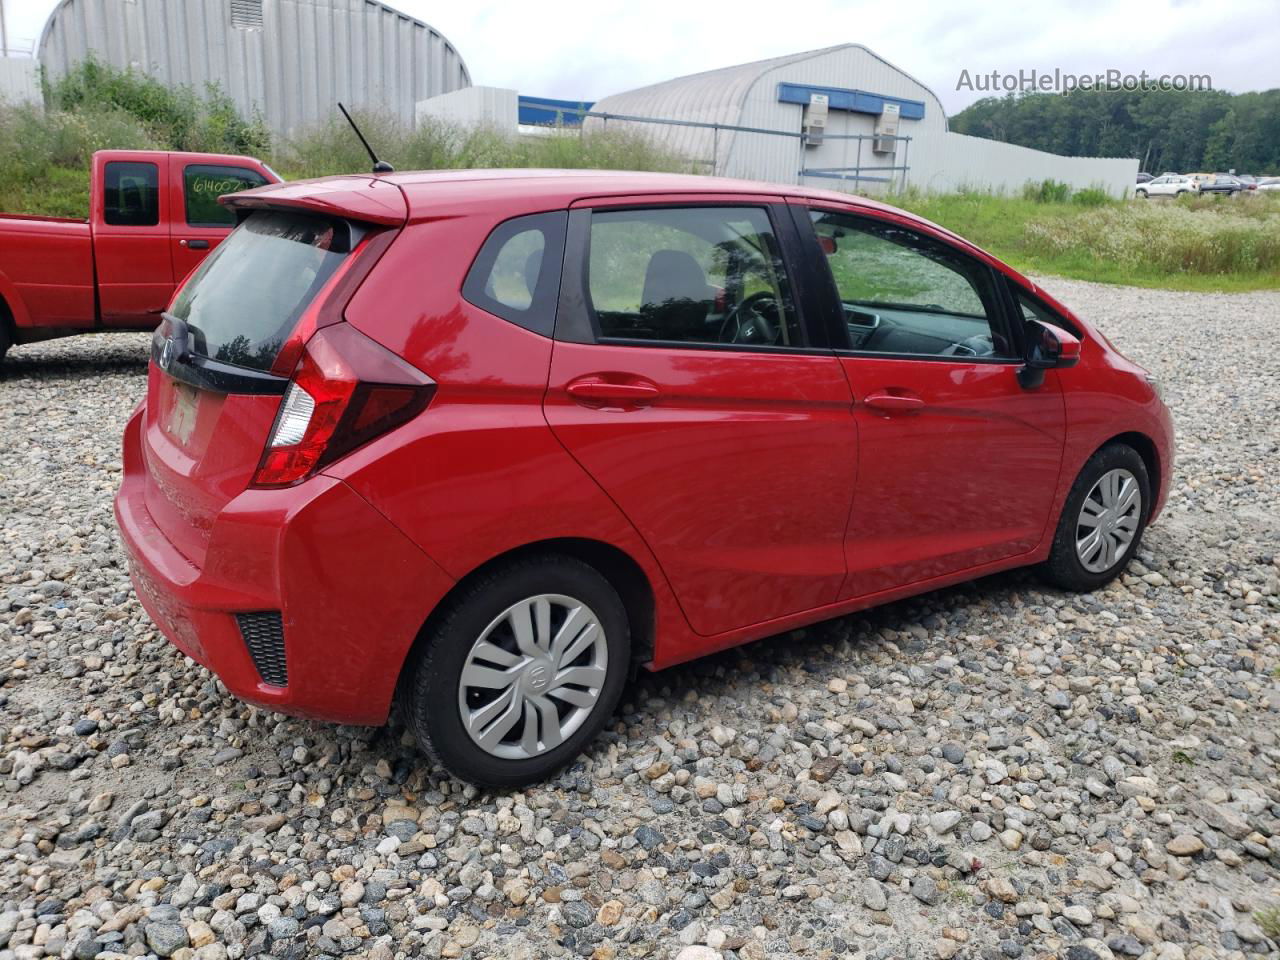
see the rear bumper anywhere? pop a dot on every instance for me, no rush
(351, 589)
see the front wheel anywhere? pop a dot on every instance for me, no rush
(520, 673)
(1142, 194)
(1102, 521)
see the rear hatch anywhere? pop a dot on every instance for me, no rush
(226, 358)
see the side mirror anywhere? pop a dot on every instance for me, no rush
(1048, 348)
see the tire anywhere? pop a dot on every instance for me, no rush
(433, 695)
(1065, 567)
(1141, 194)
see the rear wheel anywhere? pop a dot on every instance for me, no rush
(1102, 521)
(520, 673)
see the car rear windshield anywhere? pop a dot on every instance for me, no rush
(245, 299)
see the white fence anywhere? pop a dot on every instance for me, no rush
(473, 106)
(957, 161)
(19, 80)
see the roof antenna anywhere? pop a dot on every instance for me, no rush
(379, 166)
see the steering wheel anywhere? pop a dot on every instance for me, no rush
(750, 321)
(980, 346)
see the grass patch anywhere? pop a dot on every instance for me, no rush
(332, 148)
(1198, 243)
(1269, 921)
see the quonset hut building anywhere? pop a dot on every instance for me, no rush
(290, 60)
(867, 125)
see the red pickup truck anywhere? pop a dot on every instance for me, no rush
(153, 216)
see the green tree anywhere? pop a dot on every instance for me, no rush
(1183, 130)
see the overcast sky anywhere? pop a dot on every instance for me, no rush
(585, 50)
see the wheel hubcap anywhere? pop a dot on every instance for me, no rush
(1108, 520)
(533, 676)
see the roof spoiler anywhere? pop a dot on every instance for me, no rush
(361, 198)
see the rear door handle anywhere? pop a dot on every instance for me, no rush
(593, 391)
(894, 402)
(194, 244)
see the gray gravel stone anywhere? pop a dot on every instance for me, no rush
(850, 790)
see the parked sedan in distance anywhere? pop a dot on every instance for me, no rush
(1166, 185)
(1144, 177)
(1223, 183)
(620, 418)
(1269, 183)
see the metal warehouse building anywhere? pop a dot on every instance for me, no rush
(841, 117)
(289, 59)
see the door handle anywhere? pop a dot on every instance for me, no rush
(593, 390)
(894, 402)
(194, 244)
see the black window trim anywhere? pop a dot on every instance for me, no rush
(540, 316)
(576, 321)
(835, 309)
(186, 199)
(1016, 290)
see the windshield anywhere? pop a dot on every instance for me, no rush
(245, 299)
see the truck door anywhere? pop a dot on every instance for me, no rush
(131, 240)
(199, 222)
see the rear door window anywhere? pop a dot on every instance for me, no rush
(204, 183)
(245, 299)
(131, 194)
(690, 275)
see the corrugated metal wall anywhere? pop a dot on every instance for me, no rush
(305, 56)
(19, 80)
(717, 96)
(747, 95)
(852, 67)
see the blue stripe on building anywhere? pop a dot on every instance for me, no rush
(544, 111)
(858, 101)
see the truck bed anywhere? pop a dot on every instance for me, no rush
(46, 272)
(25, 216)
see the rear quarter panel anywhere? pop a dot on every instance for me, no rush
(46, 272)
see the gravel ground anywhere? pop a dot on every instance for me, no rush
(996, 770)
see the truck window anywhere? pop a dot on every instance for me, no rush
(131, 195)
(203, 184)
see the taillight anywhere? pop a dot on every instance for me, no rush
(346, 390)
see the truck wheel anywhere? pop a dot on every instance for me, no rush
(520, 673)
(5, 342)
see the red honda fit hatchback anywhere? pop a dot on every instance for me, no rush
(475, 442)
